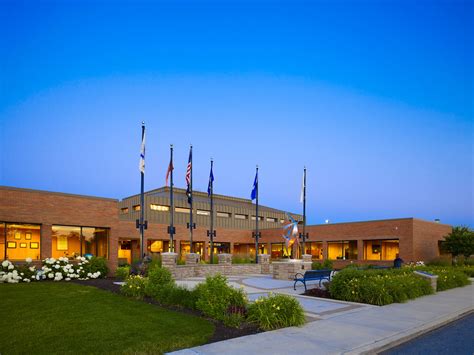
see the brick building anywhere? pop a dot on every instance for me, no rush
(40, 224)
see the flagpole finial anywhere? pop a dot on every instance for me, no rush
(143, 123)
(171, 146)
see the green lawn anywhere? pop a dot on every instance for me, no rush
(47, 318)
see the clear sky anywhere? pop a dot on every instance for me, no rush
(374, 97)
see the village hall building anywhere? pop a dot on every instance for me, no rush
(40, 224)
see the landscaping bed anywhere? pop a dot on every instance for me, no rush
(382, 287)
(221, 332)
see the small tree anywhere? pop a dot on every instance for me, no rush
(459, 242)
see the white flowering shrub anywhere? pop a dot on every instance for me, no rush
(52, 269)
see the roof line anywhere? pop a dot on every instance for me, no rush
(2, 187)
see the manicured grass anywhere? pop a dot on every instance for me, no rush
(49, 318)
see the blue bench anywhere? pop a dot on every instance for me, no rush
(313, 275)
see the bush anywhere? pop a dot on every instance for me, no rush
(218, 300)
(158, 278)
(468, 270)
(440, 261)
(276, 311)
(134, 286)
(243, 260)
(379, 287)
(122, 272)
(326, 264)
(155, 262)
(448, 277)
(97, 264)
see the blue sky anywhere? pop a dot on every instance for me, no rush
(374, 97)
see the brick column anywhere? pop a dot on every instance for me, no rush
(112, 263)
(46, 241)
(325, 250)
(264, 261)
(224, 258)
(206, 250)
(307, 258)
(169, 260)
(360, 250)
(192, 258)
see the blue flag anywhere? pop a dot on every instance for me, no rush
(211, 180)
(253, 195)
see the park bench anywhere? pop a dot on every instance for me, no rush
(312, 275)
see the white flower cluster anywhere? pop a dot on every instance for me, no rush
(8, 273)
(52, 269)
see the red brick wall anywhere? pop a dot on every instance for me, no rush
(425, 238)
(48, 208)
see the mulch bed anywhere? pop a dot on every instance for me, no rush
(317, 292)
(222, 332)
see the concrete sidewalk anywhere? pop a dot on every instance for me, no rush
(361, 330)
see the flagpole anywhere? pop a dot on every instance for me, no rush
(304, 210)
(142, 204)
(191, 225)
(171, 229)
(256, 222)
(211, 234)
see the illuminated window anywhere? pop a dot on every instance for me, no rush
(386, 249)
(181, 210)
(315, 249)
(272, 220)
(223, 214)
(241, 216)
(156, 207)
(124, 210)
(279, 250)
(343, 250)
(72, 241)
(260, 218)
(203, 212)
(2, 241)
(136, 207)
(22, 241)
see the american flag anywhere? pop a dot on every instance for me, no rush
(188, 176)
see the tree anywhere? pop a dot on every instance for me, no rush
(459, 242)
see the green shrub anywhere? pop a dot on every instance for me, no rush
(181, 262)
(448, 277)
(134, 286)
(122, 272)
(155, 262)
(243, 260)
(440, 261)
(326, 264)
(220, 301)
(379, 287)
(276, 311)
(158, 278)
(96, 264)
(467, 269)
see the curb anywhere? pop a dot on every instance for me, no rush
(410, 334)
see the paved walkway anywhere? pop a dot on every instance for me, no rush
(341, 327)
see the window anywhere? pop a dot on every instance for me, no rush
(72, 241)
(260, 218)
(2, 241)
(343, 250)
(279, 250)
(124, 210)
(22, 241)
(315, 249)
(241, 216)
(203, 212)
(181, 210)
(136, 207)
(156, 207)
(381, 249)
(272, 220)
(223, 214)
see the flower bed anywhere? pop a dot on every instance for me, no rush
(448, 277)
(216, 299)
(53, 269)
(378, 287)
